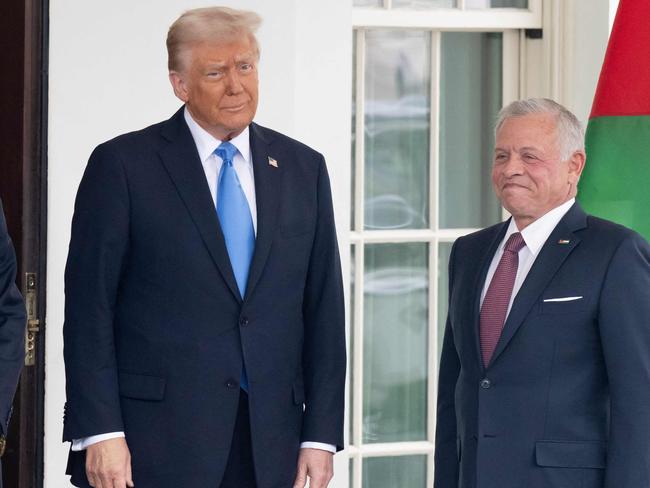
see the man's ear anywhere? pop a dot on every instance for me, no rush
(179, 85)
(576, 166)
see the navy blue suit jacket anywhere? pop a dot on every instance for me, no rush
(565, 400)
(12, 328)
(156, 330)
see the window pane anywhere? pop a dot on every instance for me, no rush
(444, 250)
(397, 102)
(395, 343)
(424, 4)
(368, 3)
(470, 98)
(496, 4)
(395, 472)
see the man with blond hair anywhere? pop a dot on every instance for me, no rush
(545, 367)
(204, 330)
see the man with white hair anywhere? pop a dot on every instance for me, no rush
(204, 331)
(545, 368)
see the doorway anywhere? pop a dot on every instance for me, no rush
(23, 189)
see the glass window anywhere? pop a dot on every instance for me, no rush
(395, 472)
(368, 3)
(474, 4)
(470, 97)
(444, 250)
(424, 104)
(424, 4)
(396, 307)
(397, 129)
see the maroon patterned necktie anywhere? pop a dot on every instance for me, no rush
(497, 297)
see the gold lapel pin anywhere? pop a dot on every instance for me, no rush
(563, 241)
(273, 162)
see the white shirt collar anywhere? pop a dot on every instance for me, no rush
(536, 233)
(206, 143)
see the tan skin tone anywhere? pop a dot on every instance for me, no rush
(219, 86)
(528, 175)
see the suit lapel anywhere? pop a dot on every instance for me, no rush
(550, 258)
(267, 195)
(478, 288)
(181, 160)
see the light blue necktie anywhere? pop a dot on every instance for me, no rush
(236, 223)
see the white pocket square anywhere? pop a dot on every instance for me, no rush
(562, 299)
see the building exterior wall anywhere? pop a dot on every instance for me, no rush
(108, 76)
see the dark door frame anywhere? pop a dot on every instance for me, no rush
(24, 190)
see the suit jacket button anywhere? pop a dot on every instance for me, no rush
(243, 321)
(485, 383)
(231, 384)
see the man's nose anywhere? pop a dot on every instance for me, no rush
(234, 83)
(513, 166)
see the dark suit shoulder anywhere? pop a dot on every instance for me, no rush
(289, 144)
(608, 231)
(480, 239)
(134, 139)
(130, 150)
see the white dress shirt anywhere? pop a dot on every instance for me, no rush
(534, 235)
(206, 144)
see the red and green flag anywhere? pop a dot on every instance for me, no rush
(616, 180)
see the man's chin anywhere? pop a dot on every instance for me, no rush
(515, 207)
(238, 124)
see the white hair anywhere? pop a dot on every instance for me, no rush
(569, 130)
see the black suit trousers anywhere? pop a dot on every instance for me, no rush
(240, 471)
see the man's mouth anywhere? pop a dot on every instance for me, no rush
(512, 186)
(234, 108)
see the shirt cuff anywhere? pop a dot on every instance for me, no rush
(319, 445)
(84, 443)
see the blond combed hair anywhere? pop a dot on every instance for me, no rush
(211, 24)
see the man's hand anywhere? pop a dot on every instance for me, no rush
(316, 464)
(108, 464)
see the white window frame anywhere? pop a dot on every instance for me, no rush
(449, 18)
(511, 23)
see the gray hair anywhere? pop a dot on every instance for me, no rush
(212, 24)
(569, 130)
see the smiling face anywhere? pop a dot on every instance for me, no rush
(529, 176)
(219, 86)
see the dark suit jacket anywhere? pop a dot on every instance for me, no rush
(156, 331)
(565, 400)
(12, 328)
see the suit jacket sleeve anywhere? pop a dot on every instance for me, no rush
(12, 326)
(446, 455)
(324, 321)
(624, 321)
(97, 254)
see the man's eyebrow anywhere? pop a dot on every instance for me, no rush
(216, 65)
(245, 56)
(525, 148)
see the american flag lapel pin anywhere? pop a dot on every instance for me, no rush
(273, 162)
(563, 241)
